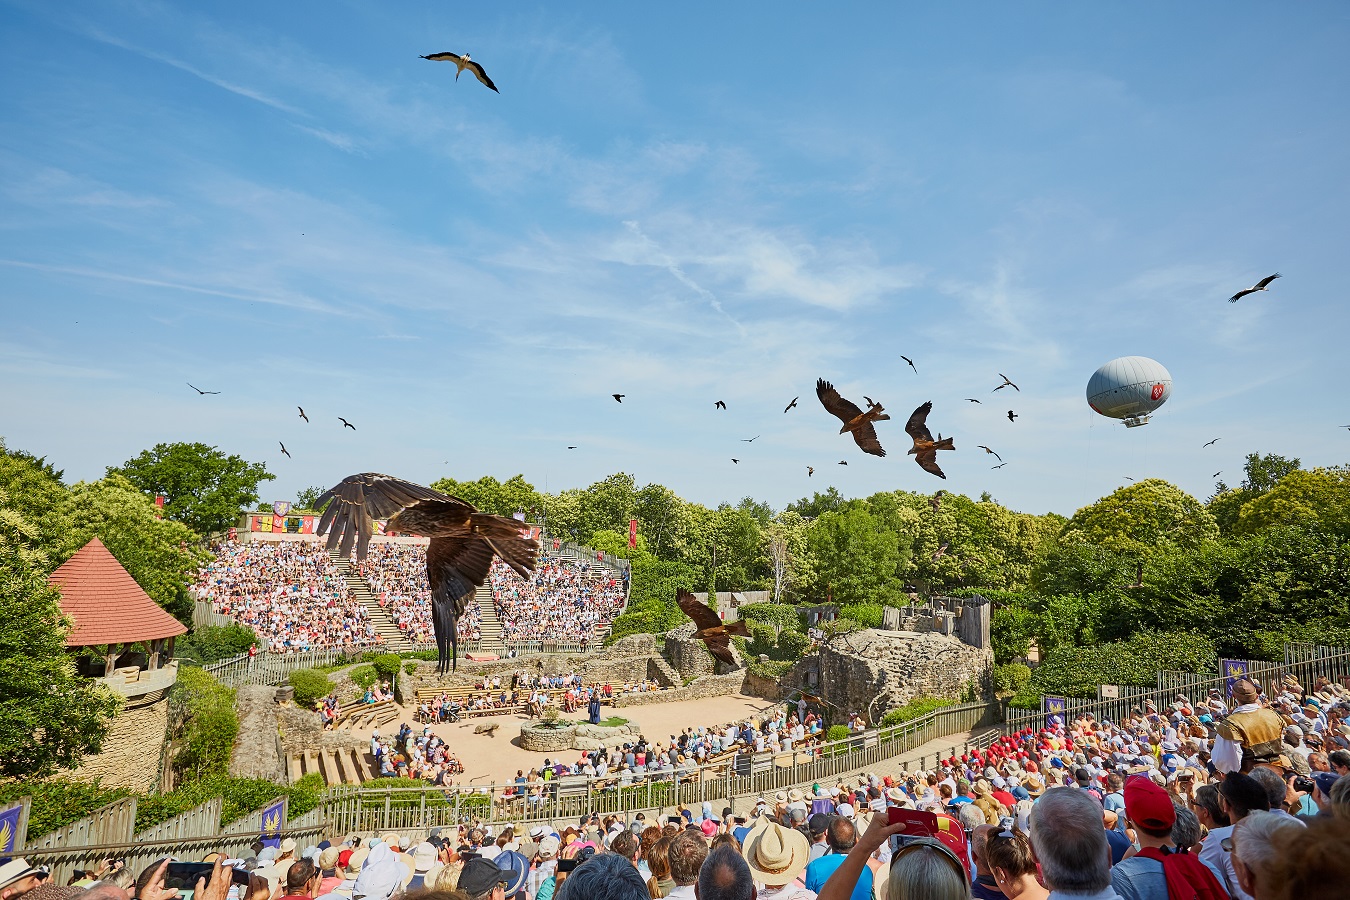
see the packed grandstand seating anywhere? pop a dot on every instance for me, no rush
(289, 592)
(565, 600)
(397, 575)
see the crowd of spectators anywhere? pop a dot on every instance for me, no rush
(417, 755)
(289, 592)
(397, 575)
(565, 600)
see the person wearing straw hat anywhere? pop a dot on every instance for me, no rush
(777, 857)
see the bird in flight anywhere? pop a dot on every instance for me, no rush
(973, 400)
(987, 450)
(346, 424)
(1128, 478)
(302, 413)
(854, 419)
(284, 450)
(1211, 443)
(711, 630)
(618, 398)
(911, 363)
(572, 447)
(1012, 416)
(720, 405)
(999, 466)
(199, 390)
(459, 557)
(462, 63)
(735, 460)
(749, 440)
(843, 462)
(1263, 284)
(870, 402)
(792, 404)
(941, 552)
(1217, 474)
(925, 448)
(1006, 383)
(936, 501)
(810, 471)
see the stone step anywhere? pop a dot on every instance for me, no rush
(359, 588)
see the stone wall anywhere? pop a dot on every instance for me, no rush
(872, 671)
(255, 747)
(633, 658)
(133, 746)
(760, 686)
(579, 736)
(690, 657)
(965, 617)
(699, 688)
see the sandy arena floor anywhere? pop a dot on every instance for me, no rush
(496, 759)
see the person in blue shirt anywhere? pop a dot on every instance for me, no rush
(841, 836)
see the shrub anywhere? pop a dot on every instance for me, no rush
(792, 645)
(310, 687)
(363, 676)
(867, 615)
(205, 724)
(57, 802)
(1011, 677)
(774, 669)
(919, 706)
(211, 643)
(783, 615)
(410, 667)
(837, 732)
(1077, 671)
(387, 666)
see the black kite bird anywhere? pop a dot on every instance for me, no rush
(346, 424)
(925, 448)
(870, 402)
(999, 466)
(720, 405)
(712, 631)
(843, 462)
(463, 541)
(618, 398)
(810, 471)
(936, 501)
(735, 460)
(1263, 284)
(1012, 416)
(572, 447)
(792, 404)
(941, 552)
(987, 450)
(302, 413)
(284, 450)
(973, 400)
(462, 63)
(1006, 383)
(199, 390)
(1210, 443)
(749, 440)
(854, 419)
(911, 363)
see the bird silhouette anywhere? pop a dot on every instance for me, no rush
(941, 552)
(618, 398)
(720, 405)
(999, 466)
(572, 447)
(973, 400)
(792, 404)
(1128, 478)
(843, 462)
(987, 450)
(735, 460)
(854, 419)
(462, 63)
(1217, 474)
(346, 424)
(936, 501)
(711, 630)
(1006, 383)
(925, 448)
(749, 440)
(199, 390)
(810, 471)
(284, 450)
(1012, 416)
(1215, 441)
(302, 413)
(911, 363)
(1263, 284)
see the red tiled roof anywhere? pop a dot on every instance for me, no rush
(105, 603)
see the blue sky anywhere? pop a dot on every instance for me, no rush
(715, 201)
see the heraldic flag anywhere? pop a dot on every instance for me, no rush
(273, 818)
(10, 818)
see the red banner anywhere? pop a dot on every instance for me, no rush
(632, 533)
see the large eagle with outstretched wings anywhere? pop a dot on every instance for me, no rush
(463, 541)
(712, 631)
(925, 448)
(854, 419)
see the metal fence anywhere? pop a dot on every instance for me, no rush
(351, 809)
(1306, 666)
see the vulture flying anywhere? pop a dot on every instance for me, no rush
(462, 63)
(712, 631)
(925, 448)
(1261, 285)
(463, 541)
(854, 419)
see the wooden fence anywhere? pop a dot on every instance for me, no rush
(270, 668)
(203, 613)
(199, 821)
(350, 809)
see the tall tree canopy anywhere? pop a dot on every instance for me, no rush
(203, 487)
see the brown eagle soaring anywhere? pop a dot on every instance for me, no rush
(854, 419)
(925, 448)
(463, 541)
(711, 629)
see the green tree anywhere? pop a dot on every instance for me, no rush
(1142, 518)
(857, 557)
(49, 717)
(203, 488)
(33, 489)
(204, 723)
(501, 498)
(1320, 497)
(159, 554)
(818, 504)
(792, 567)
(309, 498)
(1261, 473)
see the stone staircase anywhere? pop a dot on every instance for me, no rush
(359, 588)
(490, 627)
(347, 765)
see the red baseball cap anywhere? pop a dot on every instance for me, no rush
(1147, 804)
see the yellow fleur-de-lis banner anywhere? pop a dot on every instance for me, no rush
(273, 818)
(9, 828)
(1233, 670)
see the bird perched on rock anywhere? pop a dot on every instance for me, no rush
(712, 631)
(925, 448)
(854, 419)
(462, 63)
(1263, 284)
(459, 557)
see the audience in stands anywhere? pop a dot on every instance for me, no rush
(565, 600)
(397, 575)
(289, 592)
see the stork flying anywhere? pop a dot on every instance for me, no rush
(462, 63)
(1262, 285)
(463, 541)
